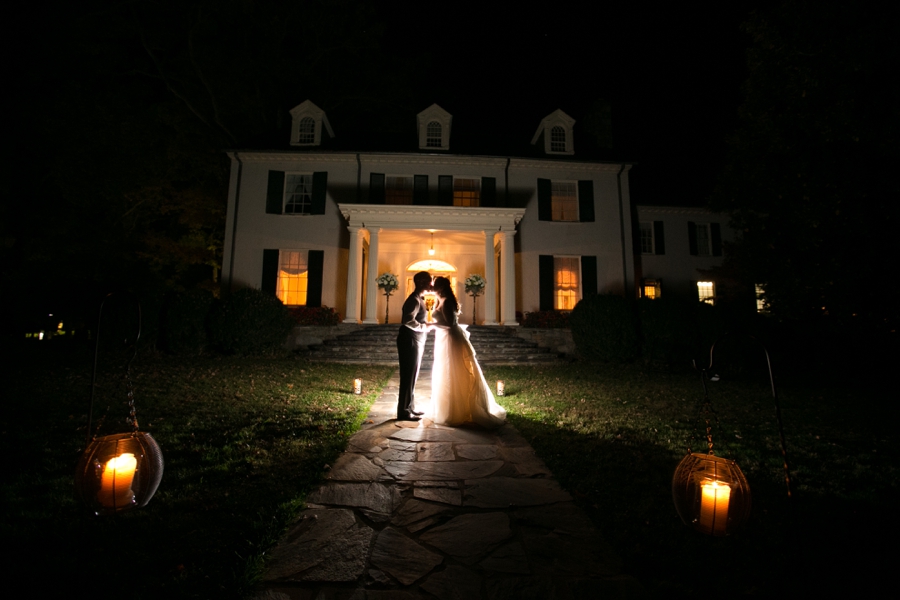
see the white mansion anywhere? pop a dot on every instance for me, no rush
(317, 227)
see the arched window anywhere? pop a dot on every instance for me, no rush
(557, 139)
(307, 133)
(433, 135)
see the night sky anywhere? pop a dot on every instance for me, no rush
(672, 74)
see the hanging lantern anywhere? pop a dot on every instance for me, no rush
(711, 494)
(357, 386)
(117, 473)
(501, 388)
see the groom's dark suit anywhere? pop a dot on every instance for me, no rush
(410, 347)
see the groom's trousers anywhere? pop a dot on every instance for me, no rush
(410, 347)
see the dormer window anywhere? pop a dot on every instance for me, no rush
(557, 139)
(434, 128)
(433, 135)
(556, 132)
(307, 131)
(307, 123)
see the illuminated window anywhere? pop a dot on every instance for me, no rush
(706, 291)
(466, 192)
(298, 194)
(433, 138)
(557, 139)
(307, 131)
(652, 288)
(398, 190)
(293, 277)
(761, 304)
(566, 271)
(564, 200)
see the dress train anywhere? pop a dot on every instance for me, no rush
(460, 393)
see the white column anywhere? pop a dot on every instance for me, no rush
(490, 289)
(353, 276)
(508, 279)
(371, 285)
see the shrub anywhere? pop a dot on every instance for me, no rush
(604, 328)
(315, 315)
(546, 319)
(184, 322)
(249, 322)
(668, 331)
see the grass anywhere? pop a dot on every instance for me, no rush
(245, 439)
(613, 436)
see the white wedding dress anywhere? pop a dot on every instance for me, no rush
(459, 392)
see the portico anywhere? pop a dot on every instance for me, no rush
(396, 237)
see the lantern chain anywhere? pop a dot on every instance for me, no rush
(131, 419)
(707, 412)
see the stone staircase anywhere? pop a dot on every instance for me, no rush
(377, 345)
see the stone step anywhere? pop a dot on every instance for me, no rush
(377, 345)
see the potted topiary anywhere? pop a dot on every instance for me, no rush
(387, 282)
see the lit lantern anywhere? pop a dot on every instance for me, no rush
(711, 494)
(117, 473)
(501, 388)
(357, 386)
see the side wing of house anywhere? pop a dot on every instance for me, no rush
(675, 250)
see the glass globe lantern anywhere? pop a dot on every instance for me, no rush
(711, 494)
(118, 473)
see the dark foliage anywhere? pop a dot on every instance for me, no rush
(315, 315)
(604, 328)
(184, 324)
(546, 319)
(666, 331)
(809, 184)
(250, 322)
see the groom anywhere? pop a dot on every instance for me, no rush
(411, 345)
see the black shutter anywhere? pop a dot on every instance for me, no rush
(715, 234)
(445, 190)
(588, 276)
(376, 188)
(692, 237)
(545, 200)
(586, 201)
(314, 262)
(659, 238)
(320, 186)
(420, 190)
(269, 270)
(275, 193)
(546, 279)
(488, 192)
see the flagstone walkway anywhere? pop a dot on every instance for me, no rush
(417, 510)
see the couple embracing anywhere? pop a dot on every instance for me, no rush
(459, 392)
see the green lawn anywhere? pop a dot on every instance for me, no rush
(245, 439)
(613, 436)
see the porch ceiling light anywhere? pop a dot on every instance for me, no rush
(431, 250)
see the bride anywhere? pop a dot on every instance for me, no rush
(459, 391)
